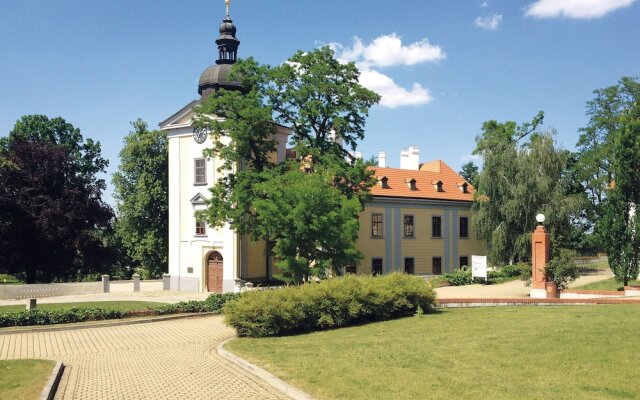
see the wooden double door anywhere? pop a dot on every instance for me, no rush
(214, 272)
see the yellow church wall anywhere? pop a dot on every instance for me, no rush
(256, 260)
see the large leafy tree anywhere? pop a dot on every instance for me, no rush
(620, 221)
(595, 162)
(141, 187)
(522, 175)
(315, 196)
(52, 217)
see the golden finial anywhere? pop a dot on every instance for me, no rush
(226, 3)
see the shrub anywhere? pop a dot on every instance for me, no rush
(458, 277)
(40, 317)
(329, 304)
(563, 269)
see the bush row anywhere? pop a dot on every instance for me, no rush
(329, 304)
(40, 317)
(502, 274)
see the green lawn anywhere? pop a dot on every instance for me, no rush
(555, 352)
(8, 280)
(607, 284)
(118, 305)
(23, 379)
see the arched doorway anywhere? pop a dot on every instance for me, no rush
(214, 272)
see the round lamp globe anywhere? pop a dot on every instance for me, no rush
(540, 218)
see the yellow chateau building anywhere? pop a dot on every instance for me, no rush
(418, 221)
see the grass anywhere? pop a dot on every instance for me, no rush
(551, 352)
(598, 265)
(8, 280)
(607, 284)
(23, 379)
(118, 305)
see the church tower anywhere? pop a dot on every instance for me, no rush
(204, 258)
(217, 76)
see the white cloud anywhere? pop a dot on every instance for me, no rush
(579, 9)
(484, 4)
(388, 50)
(393, 95)
(489, 23)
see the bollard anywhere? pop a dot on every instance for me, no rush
(166, 282)
(136, 282)
(105, 283)
(32, 304)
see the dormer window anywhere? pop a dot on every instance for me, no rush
(464, 187)
(438, 186)
(384, 182)
(411, 183)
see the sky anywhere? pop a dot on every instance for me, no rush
(442, 67)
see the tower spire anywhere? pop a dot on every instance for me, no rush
(227, 42)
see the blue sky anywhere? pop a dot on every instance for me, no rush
(443, 67)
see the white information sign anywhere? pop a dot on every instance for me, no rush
(479, 267)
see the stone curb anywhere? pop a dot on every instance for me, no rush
(277, 383)
(49, 391)
(99, 324)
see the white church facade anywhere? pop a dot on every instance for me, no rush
(202, 258)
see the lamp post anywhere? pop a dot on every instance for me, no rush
(539, 259)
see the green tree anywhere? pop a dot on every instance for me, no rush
(52, 217)
(314, 194)
(141, 187)
(595, 162)
(620, 221)
(470, 173)
(522, 175)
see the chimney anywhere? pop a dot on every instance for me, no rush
(382, 159)
(410, 158)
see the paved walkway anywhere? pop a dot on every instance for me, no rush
(159, 296)
(509, 290)
(163, 360)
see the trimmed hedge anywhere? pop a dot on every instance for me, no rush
(329, 304)
(40, 317)
(505, 273)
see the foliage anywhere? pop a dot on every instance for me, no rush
(307, 208)
(562, 269)
(596, 159)
(620, 220)
(522, 175)
(141, 187)
(213, 303)
(470, 173)
(505, 273)
(329, 304)
(51, 200)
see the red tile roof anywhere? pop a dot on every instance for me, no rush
(426, 183)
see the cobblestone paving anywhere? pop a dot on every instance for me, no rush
(174, 359)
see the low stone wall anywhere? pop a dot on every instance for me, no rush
(589, 294)
(128, 286)
(39, 290)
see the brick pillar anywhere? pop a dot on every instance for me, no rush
(539, 260)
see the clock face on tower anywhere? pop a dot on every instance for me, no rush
(200, 134)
